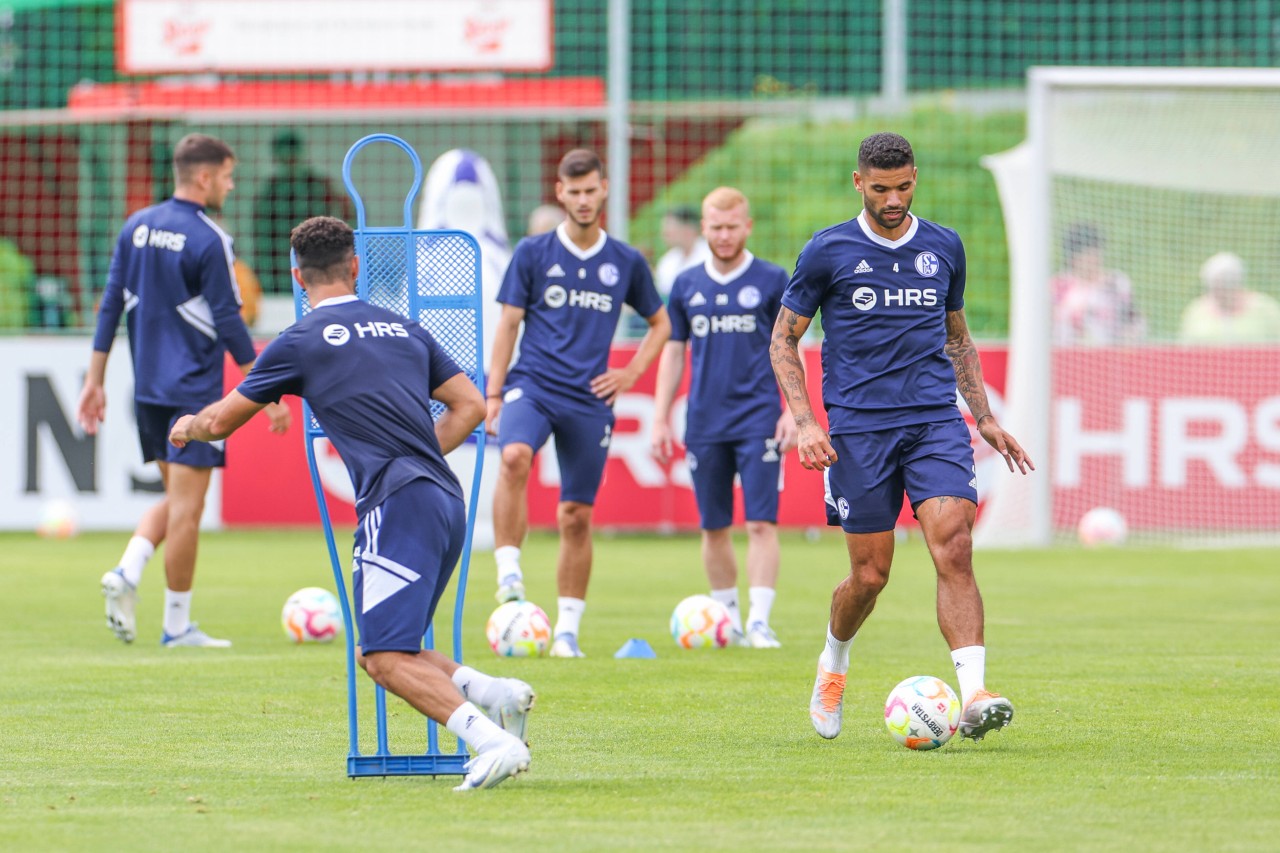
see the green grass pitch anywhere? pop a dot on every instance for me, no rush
(1145, 683)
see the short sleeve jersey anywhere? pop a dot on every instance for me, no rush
(572, 301)
(368, 374)
(172, 275)
(884, 305)
(727, 321)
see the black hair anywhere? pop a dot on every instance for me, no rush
(1080, 237)
(322, 243)
(885, 151)
(686, 214)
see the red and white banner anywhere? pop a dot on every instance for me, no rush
(1175, 438)
(164, 36)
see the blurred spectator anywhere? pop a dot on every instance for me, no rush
(1227, 312)
(544, 218)
(15, 284)
(1092, 304)
(682, 232)
(294, 192)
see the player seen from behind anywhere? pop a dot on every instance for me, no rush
(370, 377)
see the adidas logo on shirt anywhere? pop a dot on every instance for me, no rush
(698, 299)
(862, 266)
(556, 271)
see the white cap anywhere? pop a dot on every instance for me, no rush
(1224, 269)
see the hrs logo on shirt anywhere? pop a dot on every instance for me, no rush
(701, 325)
(557, 296)
(336, 334)
(865, 298)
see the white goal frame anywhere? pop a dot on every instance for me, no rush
(1020, 513)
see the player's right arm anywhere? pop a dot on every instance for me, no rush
(812, 441)
(464, 410)
(670, 370)
(92, 407)
(504, 346)
(800, 301)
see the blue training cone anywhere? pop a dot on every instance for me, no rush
(635, 648)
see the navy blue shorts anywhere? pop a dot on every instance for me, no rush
(582, 438)
(864, 488)
(405, 554)
(154, 423)
(712, 465)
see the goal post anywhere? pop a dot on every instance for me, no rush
(1156, 180)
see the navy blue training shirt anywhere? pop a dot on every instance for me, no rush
(727, 321)
(368, 374)
(572, 301)
(172, 275)
(883, 305)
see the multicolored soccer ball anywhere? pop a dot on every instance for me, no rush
(311, 615)
(518, 629)
(922, 712)
(701, 622)
(58, 520)
(1102, 526)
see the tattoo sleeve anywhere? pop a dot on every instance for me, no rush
(784, 353)
(964, 360)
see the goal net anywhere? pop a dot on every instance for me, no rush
(1143, 216)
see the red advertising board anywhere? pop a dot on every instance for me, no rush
(1175, 438)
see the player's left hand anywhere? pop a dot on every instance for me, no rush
(180, 434)
(614, 381)
(786, 434)
(281, 417)
(1005, 444)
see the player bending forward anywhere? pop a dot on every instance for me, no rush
(372, 393)
(891, 290)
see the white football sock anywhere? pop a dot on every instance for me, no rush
(472, 727)
(729, 598)
(761, 603)
(135, 557)
(971, 670)
(835, 655)
(475, 686)
(570, 616)
(508, 559)
(177, 612)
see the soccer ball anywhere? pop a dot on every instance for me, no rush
(922, 712)
(58, 520)
(518, 629)
(1101, 526)
(311, 615)
(701, 622)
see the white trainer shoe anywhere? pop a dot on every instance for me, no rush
(510, 588)
(122, 601)
(494, 766)
(566, 646)
(194, 637)
(986, 712)
(512, 710)
(826, 707)
(761, 636)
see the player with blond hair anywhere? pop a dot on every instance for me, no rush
(722, 312)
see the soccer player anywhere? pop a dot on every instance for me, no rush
(890, 286)
(723, 312)
(567, 288)
(173, 277)
(370, 376)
